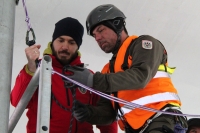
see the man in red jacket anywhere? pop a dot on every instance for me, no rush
(63, 49)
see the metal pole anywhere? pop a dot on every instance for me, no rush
(7, 19)
(21, 106)
(44, 98)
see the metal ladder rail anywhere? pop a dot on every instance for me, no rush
(44, 71)
(44, 97)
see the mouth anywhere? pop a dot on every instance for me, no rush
(103, 45)
(64, 56)
(63, 53)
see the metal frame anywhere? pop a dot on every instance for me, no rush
(42, 77)
(7, 19)
(44, 97)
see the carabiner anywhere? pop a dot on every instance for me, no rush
(30, 43)
(17, 2)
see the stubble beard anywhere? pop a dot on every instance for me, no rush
(107, 49)
(63, 60)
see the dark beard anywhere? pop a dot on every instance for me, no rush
(64, 61)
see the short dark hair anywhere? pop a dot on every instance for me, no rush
(193, 122)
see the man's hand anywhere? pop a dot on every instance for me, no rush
(32, 53)
(81, 75)
(81, 112)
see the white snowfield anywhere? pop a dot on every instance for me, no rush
(176, 23)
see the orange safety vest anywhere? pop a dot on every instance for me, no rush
(158, 92)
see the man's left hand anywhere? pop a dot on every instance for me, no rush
(81, 112)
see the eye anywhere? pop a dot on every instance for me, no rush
(72, 42)
(100, 30)
(193, 131)
(61, 40)
(94, 35)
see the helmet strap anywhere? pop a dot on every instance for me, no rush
(118, 43)
(117, 25)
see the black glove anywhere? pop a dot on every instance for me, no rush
(81, 112)
(81, 75)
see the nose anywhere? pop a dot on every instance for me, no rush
(98, 37)
(65, 45)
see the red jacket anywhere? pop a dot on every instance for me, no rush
(59, 119)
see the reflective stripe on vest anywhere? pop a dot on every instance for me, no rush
(155, 97)
(161, 74)
(152, 99)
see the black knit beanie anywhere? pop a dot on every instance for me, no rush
(69, 27)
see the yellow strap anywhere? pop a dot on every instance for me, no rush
(169, 69)
(175, 104)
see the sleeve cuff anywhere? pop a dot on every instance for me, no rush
(27, 71)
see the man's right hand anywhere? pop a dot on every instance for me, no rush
(32, 53)
(81, 75)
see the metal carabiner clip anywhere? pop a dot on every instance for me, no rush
(30, 43)
(17, 2)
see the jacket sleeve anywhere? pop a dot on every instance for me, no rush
(103, 113)
(111, 128)
(145, 63)
(21, 83)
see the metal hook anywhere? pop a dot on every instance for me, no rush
(17, 2)
(30, 43)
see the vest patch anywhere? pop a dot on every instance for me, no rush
(147, 44)
(82, 90)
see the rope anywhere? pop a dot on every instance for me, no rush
(60, 105)
(72, 87)
(73, 90)
(30, 29)
(27, 17)
(129, 105)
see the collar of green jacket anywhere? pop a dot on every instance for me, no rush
(48, 50)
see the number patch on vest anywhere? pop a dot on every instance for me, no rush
(147, 44)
